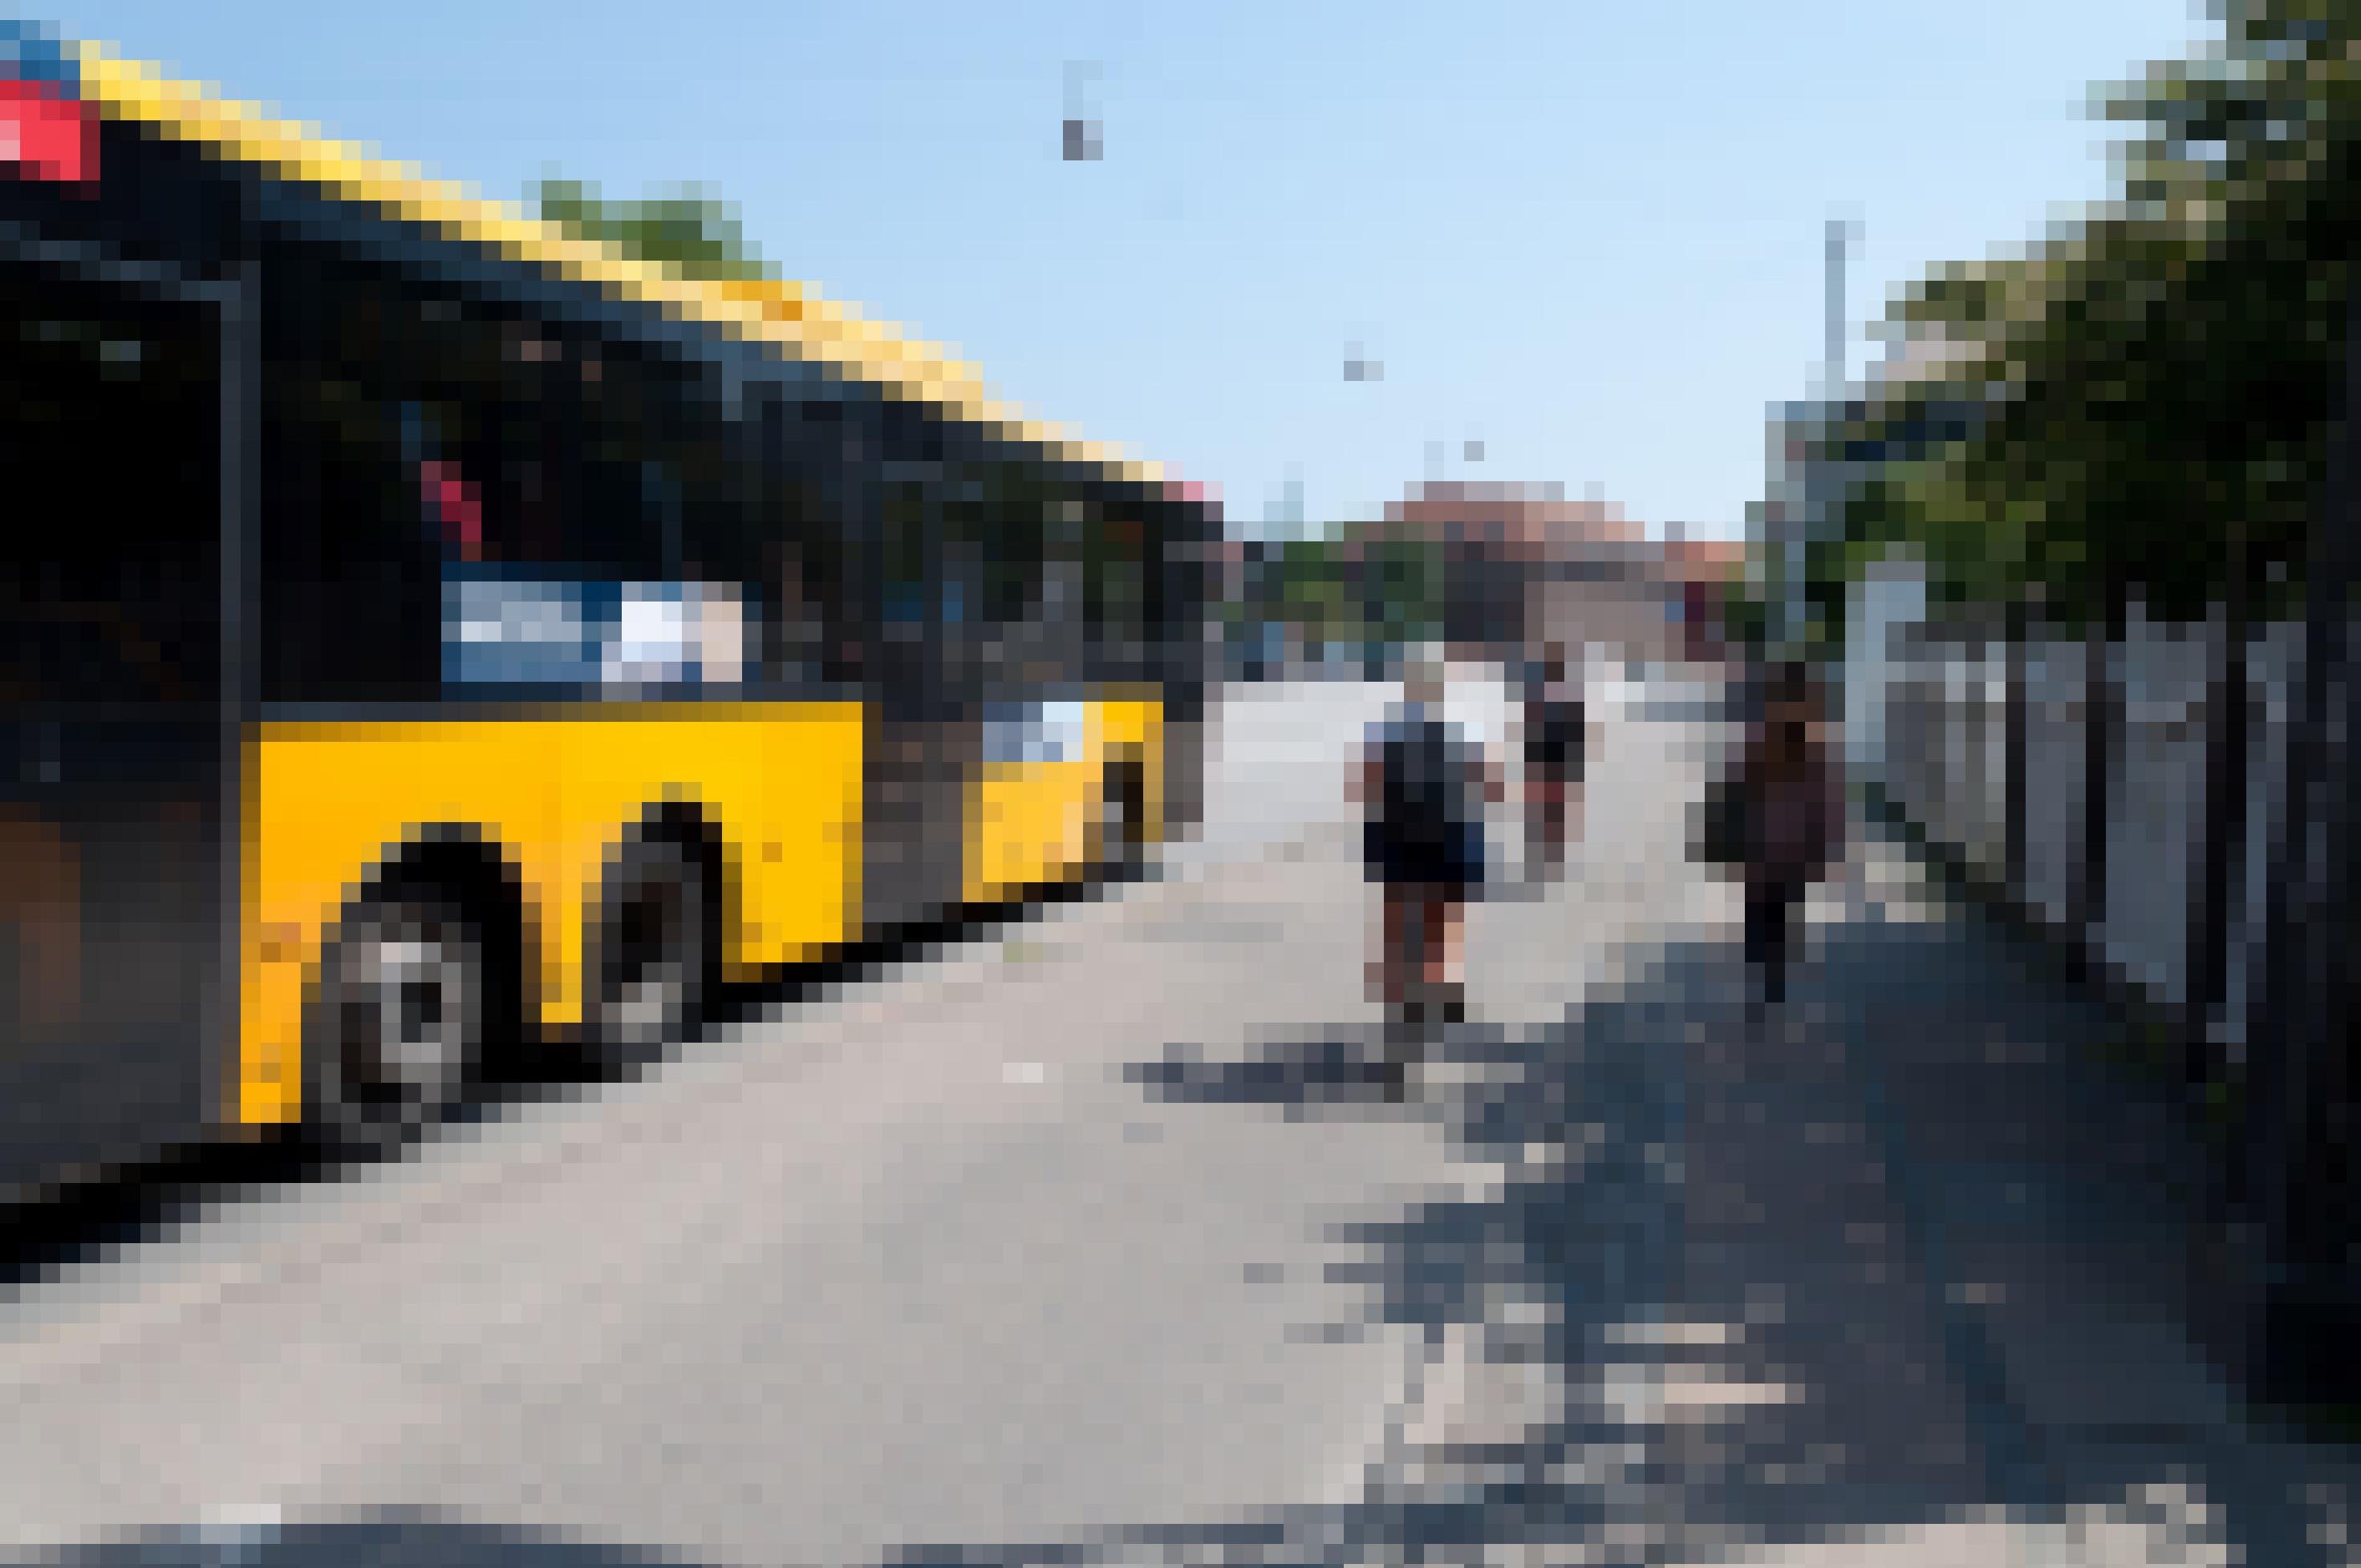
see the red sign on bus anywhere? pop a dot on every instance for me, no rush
(46, 134)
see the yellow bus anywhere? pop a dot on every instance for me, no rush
(426, 633)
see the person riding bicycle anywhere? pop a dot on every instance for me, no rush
(1556, 737)
(1425, 782)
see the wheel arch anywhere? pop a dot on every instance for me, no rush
(1122, 792)
(694, 828)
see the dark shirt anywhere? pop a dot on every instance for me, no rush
(1797, 818)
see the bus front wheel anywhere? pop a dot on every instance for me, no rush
(400, 1029)
(651, 964)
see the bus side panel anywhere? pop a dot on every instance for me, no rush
(781, 782)
(330, 801)
(1030, 822)
(803, 888)
(328, 804)
(1027, 825)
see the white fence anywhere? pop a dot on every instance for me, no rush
(1927, 710)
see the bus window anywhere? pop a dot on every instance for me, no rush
(350, 585)
(476, 501)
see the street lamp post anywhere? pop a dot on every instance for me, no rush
(1808, 509)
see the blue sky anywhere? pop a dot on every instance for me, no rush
(1587, 233)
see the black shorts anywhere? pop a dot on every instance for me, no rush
(1554, 744)
(1555, 755)
(1453, 865)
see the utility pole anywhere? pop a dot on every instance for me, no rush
(1839, 243)
(1815, 514)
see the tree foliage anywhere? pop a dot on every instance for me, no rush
(2157, 382)
(690, 232)
(1383, 586)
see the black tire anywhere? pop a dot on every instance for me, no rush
(651, 959)
(401, 1025)
(1123, 811)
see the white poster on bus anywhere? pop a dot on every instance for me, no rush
(620, 638)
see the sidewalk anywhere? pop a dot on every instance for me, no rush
(2053, 1195)
(1906, 1281)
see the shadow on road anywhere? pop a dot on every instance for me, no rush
(392, 1540)
(1343, 1067)
(1818, 1282)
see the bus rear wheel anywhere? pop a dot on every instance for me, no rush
(400, 1030)
(652, 958)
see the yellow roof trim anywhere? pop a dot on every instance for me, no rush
(789, 316)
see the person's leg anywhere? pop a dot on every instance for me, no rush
(1408, 953)
(1449, 939)
(1777, 943)
(1394, 940)
(1791, 929)
(1553, 821)
(1537, 804)
(1762, 916)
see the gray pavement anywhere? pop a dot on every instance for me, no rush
(1095, 1243)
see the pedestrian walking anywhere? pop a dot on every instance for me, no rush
(1557, 740)
(1424, 782)
(1779, 823)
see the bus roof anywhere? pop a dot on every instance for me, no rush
(789, 319)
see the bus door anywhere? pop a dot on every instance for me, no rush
(111, 754)
(923, 735)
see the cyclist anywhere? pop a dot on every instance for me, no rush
(1556, 740)
(1425, 782)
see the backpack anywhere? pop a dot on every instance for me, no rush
(1424, 795)
(1749, 824)
(1722, 830)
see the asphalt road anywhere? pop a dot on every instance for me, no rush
(919, 1263)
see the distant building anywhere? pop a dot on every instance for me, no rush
(1536, 520)
(1701, 571)
(1525, 566)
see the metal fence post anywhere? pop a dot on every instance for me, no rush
(2299, 1129)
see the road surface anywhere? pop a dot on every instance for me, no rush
(1091, 1241)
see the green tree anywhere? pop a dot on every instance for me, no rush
(2157, 383)
(690, 232)
(2154, 390)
